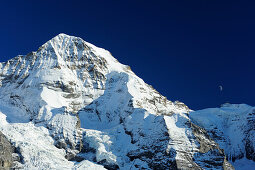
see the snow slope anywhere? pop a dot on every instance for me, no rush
(37, 146)
(72, 105)
(233, 127)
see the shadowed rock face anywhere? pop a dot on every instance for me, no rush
(209, 148)
(6, 151)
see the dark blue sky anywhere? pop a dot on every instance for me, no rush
(184, 49)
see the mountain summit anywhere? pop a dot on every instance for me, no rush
(72, 105)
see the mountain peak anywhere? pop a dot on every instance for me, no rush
(62, 36)
(61, 41)
(67, 50)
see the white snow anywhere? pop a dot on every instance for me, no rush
(87, 165)
(181, 138)
(243, 164)
(12, 114)
(37, 146)
(53, 98)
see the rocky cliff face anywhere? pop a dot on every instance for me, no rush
(9, 159)
(71, 105)
(6, 151)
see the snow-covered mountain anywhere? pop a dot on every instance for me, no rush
(233, 127)
(72, 105)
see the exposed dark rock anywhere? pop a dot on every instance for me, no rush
(6, 151)
(61, 144)
(210, 154)
(108, 166)
(70, 154)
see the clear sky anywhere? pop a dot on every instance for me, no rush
(184, 49)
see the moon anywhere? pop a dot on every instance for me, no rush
(221, 88)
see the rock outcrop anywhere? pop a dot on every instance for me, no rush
(6, 151)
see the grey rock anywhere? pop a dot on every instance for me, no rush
(6, 151)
